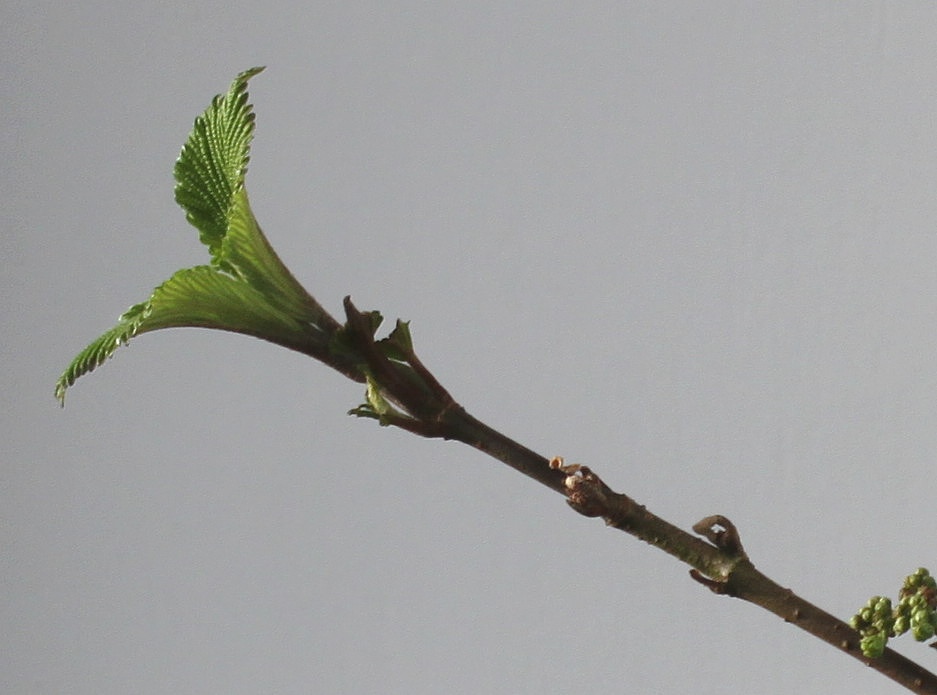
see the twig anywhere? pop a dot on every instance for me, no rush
(719, 562)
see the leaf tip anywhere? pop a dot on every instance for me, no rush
(60, 387)
(250, 72)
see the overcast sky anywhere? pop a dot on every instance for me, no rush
(691, 245)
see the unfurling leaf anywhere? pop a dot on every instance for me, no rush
(398, 345)
(213, 163)
(247, 289)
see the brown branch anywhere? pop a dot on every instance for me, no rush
(719, 562)
(724, 567)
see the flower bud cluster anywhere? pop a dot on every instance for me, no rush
(916, 611)
(875, 622)
(917, 607)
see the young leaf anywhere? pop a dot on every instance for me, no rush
(194, 297)
(98, 351)
(247, 289)
(213, 163)
(398, 345)
(251, 258)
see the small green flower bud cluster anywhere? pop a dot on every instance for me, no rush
(917, 607)
(916, 611)
(875, 622)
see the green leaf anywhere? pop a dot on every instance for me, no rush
(398, 345)
(193, 297)
(213, 163)
(376, 399)
(98, 351)
(251, 258)
(247, 289)
(376, 406)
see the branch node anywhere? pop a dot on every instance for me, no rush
(585, 491)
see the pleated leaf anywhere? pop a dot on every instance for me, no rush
(194, 297)
(246, 289)
(250, 257)
(213, 163)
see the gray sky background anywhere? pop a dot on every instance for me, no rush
(691, 245)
